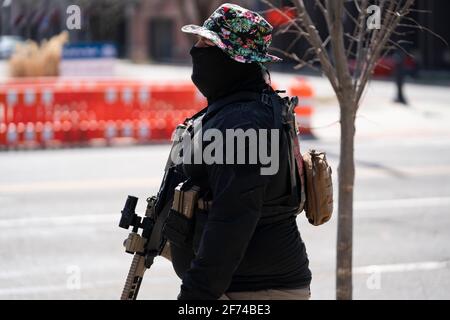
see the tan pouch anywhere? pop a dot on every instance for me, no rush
(318, 187)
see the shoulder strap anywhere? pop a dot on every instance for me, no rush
(284, 112)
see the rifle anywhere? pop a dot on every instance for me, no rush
(151, 242)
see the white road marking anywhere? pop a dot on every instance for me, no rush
(39, 289)
(78, 185)
(53, 288)
(124, 183)
(402, 203)
(93, 219)
(160, 266)
(57, 221)
(402, 267)
(410, 171)
(386, 268)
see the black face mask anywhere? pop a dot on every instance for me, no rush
(217, 75)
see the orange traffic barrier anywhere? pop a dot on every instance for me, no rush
(304, 111)
(62, 112)
(3, 136)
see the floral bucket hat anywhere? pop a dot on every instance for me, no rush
(243, 34)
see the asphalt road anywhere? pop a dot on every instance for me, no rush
(59, 211)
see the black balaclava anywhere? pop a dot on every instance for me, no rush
(216, 75)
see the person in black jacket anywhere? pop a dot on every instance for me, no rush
(246, 244)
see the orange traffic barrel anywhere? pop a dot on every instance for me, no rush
(304, 111)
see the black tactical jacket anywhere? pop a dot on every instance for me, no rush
(249, 239)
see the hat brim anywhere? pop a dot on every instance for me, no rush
(215, 38)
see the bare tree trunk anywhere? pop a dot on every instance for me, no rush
(346, 164)
(345, 207)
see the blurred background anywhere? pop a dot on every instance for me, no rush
(148, 30)
(90, 92)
